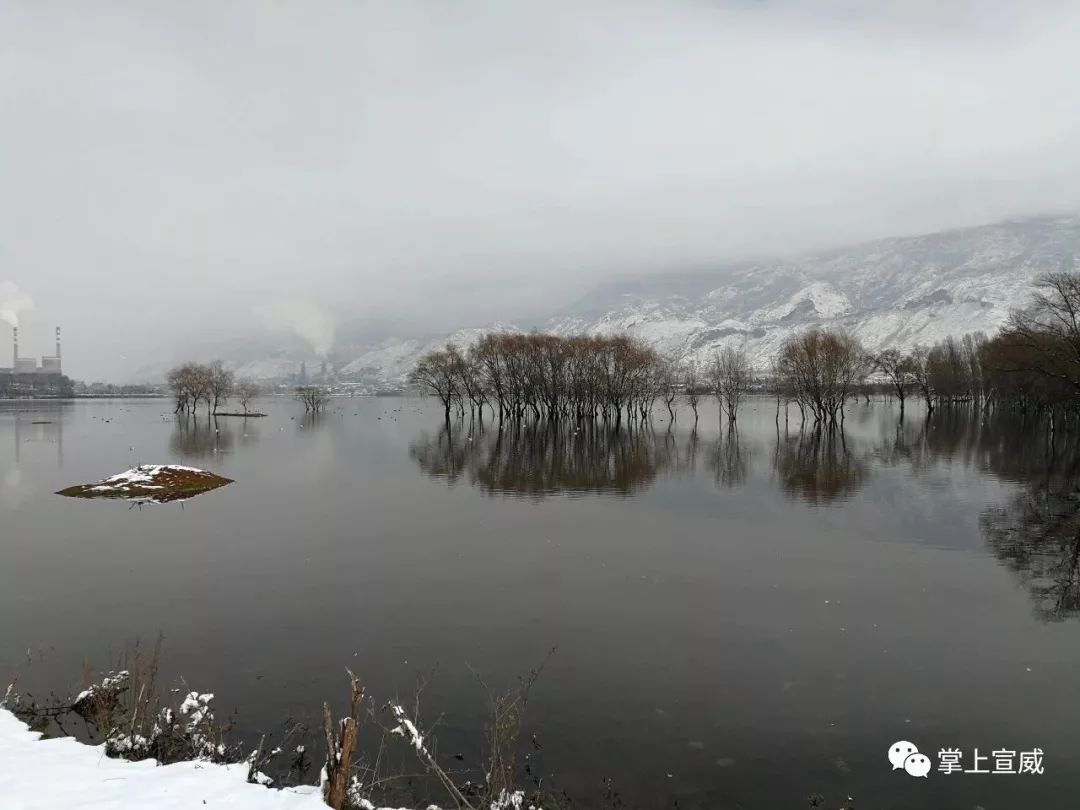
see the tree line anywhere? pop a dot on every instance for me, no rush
(212, 383)
(1033, 363)
(539, 376)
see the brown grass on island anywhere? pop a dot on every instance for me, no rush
(155, 483)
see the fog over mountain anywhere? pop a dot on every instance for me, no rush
(268, 182)
(896, 292)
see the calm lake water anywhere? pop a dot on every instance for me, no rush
(741, 620)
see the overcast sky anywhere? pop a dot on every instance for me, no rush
(177, 170)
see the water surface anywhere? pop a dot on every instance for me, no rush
(741, 618)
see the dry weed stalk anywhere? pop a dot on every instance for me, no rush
(507, 717)
(341, 746)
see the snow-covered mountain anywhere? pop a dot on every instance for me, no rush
(896, 292)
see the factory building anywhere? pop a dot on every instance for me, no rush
(29, 365)
(27, 378)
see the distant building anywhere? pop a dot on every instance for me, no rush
(26, 378)
(28, 365)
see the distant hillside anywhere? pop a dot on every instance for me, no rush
(894, 292)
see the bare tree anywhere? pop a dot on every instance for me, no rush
(180, 382)
(781, 389)
(437, 373)
(246, 390)
(193, 382)
(219, 384)
(667, 383)
(1050, 328)
(919, 363)
(551, 377)
(312, 396)
(692, 386)
(821, 369)
(470, 372)
(898, 372)
(731, 377)
(201, 386)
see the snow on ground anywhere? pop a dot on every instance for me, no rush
(64, 773)
(145, 476)
(151, 483)
(825, 299)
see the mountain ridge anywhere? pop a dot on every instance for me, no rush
(899, 291)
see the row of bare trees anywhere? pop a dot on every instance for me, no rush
(818, 370)
(543, 377)
(211, 383)
(539, 376)
(548, 377)
(312, 397)
(1033, 362)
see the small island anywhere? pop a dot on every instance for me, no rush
(151, 483)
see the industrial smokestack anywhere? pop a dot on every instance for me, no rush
(58, 343)
(15, 345)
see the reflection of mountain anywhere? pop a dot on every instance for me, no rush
(818, 467)
(545, 461)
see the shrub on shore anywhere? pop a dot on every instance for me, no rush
(128, 711)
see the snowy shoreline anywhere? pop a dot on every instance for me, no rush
(39, 773)
(46, 774)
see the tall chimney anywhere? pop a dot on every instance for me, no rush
(15, 343)
(58, 343)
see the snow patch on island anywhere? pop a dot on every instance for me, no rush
(151, 483)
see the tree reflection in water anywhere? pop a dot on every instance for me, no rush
(817, 466)
(195, 437)
(1001, 444)
(545, 459)
(1036, 533)
(729, 459)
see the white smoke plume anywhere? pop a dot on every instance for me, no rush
(306, 319)
(13, 301)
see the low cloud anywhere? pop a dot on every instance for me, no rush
(13, 300)
(426, 165)
(305, 319)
